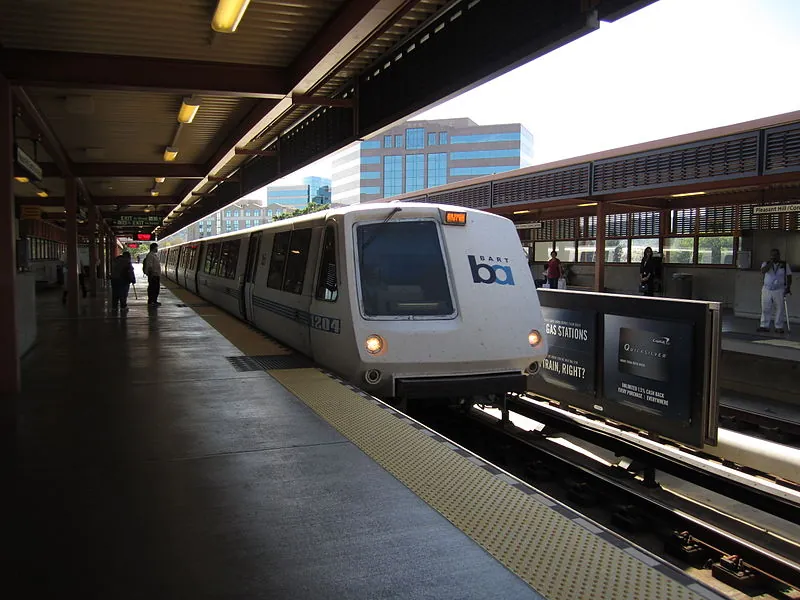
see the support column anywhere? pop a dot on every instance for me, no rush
(101, 259)
(600, 249)
(93, 251)
(9, 358)
(71, 204)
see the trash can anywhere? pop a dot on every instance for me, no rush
(682, 283)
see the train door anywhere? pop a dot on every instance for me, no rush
(330, 335)
(248, 281)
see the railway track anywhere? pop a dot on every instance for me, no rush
(626, 496)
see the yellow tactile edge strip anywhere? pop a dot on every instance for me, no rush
(559, 557)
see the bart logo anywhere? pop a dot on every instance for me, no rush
(483, 273)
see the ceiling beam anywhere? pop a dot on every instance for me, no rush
(130, 170)
(101, 71)
(355, 24)
(102, 201)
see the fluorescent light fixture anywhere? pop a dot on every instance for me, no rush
(587, 204)
(42, 194)
(22, 179)
(688, 194)
(521, 212)
(160, 179)
(171, 153)
(228, 14)
(188, 110)
(154, 192)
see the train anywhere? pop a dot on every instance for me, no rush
(408, 301)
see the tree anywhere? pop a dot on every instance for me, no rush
(311, 208)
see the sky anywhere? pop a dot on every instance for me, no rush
(674, 67)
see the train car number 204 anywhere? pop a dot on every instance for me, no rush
(326, 324)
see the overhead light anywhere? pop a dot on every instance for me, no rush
(228, 14)
(188, 110)
(587, 204)
(171, 153)
(22, 179)
(42, 193)
(521, 212)
(154, 192)
(688, 194)
(160, 179)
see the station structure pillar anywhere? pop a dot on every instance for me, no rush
(93, 252)
(71, 205)
(10, 380)
(600, 249)
(101, 258)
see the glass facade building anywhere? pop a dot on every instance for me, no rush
(417, 155)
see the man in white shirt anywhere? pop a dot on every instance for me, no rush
(152, 269)
(777, 284)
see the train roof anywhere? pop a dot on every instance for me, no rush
(323, 215)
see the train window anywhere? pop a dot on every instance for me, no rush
(212, 259)
(297, 261)
(327, 284)
(402, 270)
(229, 258)
(277, 262)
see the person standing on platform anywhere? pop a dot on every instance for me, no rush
(554, 270)
(121, 279)
(777, 285)
(152, 269)
(647, 273)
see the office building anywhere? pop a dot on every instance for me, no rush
(319, 189)
(422, 154)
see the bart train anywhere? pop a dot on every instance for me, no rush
(406, 300)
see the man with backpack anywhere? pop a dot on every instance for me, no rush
(777, 285)
(121, 278)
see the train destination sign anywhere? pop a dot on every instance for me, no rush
(571, 339)
(136, 220)
(648, 365)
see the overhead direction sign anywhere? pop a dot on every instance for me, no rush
(135, 220)
(27, 163)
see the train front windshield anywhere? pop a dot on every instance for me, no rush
(402, 270)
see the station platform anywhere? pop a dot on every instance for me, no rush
(176, 452)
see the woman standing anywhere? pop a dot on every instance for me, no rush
(647, 273)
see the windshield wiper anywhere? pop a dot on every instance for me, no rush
(393, 212)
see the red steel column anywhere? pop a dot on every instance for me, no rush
(71, 204)
(93, 251)
(9, 358)
(600, 250)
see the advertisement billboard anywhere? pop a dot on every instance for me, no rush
(647, 365)
(647, 362)
(571, 337)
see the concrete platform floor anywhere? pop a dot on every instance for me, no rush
(148, 467)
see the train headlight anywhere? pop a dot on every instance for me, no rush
(534, 338)
(374, 344)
